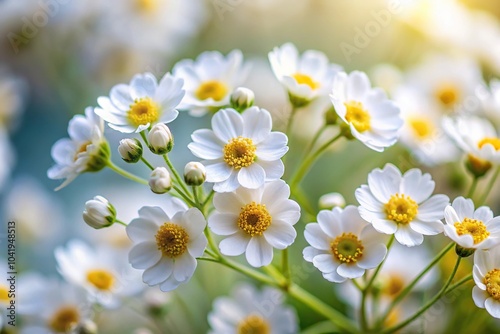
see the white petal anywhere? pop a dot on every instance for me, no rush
(427, 228)
(140, 230)
(206, 145)
(170, 284)
(143, 85)
(184, 267)
(373, 256)
(120, 97)
(259, 253)
(218, 171)
(154, 214)
(419, 187)
(385, 226)
(310, 252)
(358, 85)
(334, 277)
(227, 203)
(257, 124)
(384, 183)
(231, 184)
(483, 214)
(479, 296)
(252, 177)
(325, 263)
(329, 223)
(223, 223)
(274, 169)
(350, 270)
(463, 207)
(407, 237)
(234, 245)
(366, 199)
(280, 235)
(451, 216)
(273, 147)
(316, 237)
(144, 255)
(196, 246)
(493, 307)
(227, 124)
(159, 272)
(433, 208)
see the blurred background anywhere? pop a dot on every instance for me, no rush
(58, 56)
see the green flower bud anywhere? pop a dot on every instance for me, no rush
(130, 150)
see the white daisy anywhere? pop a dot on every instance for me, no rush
(241, 149)
(209, 80)
(305, 77)
(469, 228)
(85, 150)
(12, 95)
(103, 272)
(243, 312)
(402, 204)
(142, 103)
(486, 272)
(476, 137)
(343, 245)
(369, 115)
(166, 243)
(255, 221)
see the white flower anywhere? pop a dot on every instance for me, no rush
(12, 94)
(343, 245)
(195, 174)
(241, 149)
(471, 229)
(209, 80)
(331, 200)
(160, 181)
(402, 204)
(475, 136)
(130, 150)
(85, 150)
(166, 243)
(244, 312)
(101, 271)
(370, 116)
(255, 221)
(99, 213)
(160, 139)
(305, 77)
(242, 98)
(142, 103)
(486, 272)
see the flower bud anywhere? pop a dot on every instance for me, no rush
(87, 327)
(331, 200)
(242, 98)
(464, 252)
(160, 139)
(160, 181)
(194, 174)
(99, 213)
(130, 150)
(331, 116)
(477, 166)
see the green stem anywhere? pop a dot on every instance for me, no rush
(176, 175)
(285, 267)
(303, 201)
(197, 198)
(126, 174)
(290, 121)
(147, 163)
(184, 196)
(209, 196)
(460, 283)
(427, 305)
(143, 135)
(490, 186)
(120, 222)
(315, 139)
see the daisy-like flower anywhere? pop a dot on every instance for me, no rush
(471, 229)
(240, 150)
(343, 245)
(86, 149)
(402, 204)
(166, 243)
(486, 272)
(305, 76)
(101, 271)
(142, 103)
(255, 221)
(368, 114)
(243, 312)
(209, 80)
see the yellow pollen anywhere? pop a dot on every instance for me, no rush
(147, 5)
(490, 140)
(253, 324)
(401, 209)
(101, 279)
(448, 95)
(304, 79)
(347, 248)
(357, 116)
(492, 282)
(475, 228)
(393, 285)
(254, 219)
(421, 127)
(4, 293)
(172, 240)
(143, 111)
(81, 149)
(239, 152)
(64, 319)
(211, 89)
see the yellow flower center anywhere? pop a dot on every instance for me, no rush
(254, 219)
(147, 6)
(393, 285)
(490, 140)
(101, 279)
(64, 319)
(422, 127)
(254, 324)
(4, 294)
(143, 111)
(304, 79)
(475, 228)
(239, 152)
(172, 240)
(347, 248)
(401, 209)
(492, 282)
(211, 89)
(81, 149)
(448, 95)
(357, 116)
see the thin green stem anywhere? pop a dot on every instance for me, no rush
(315, 139)
(428, 304)
(184, 196)
(126, 174)
(285, 267)
(490, 186)
(197, 198)
(120, 222)
(208, 198)
(143, 135)
(147, 163)
(290, 121)
(177, 177)
(357, 285)
(460, 283)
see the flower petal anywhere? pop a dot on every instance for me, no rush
(234, 245)
(144, 255)
(259, 253)
(407, 237)
(252, 177)
(280, 235)
(227, 124)
(159, 272)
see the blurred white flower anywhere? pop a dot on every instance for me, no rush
(142, 103)
(210, 80)
(486, 272)
(12, 94)
(8, 159)
(402, 204)
(240, 150)
(331, 200)
(243, 312)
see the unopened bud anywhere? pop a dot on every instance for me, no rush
(160, 181)
(194, 174)
(331, 116)
(99, 213)
(130, 150)
(242, 98)
(331, 200)
(87, 327)
(477, 166)
(160, 139)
